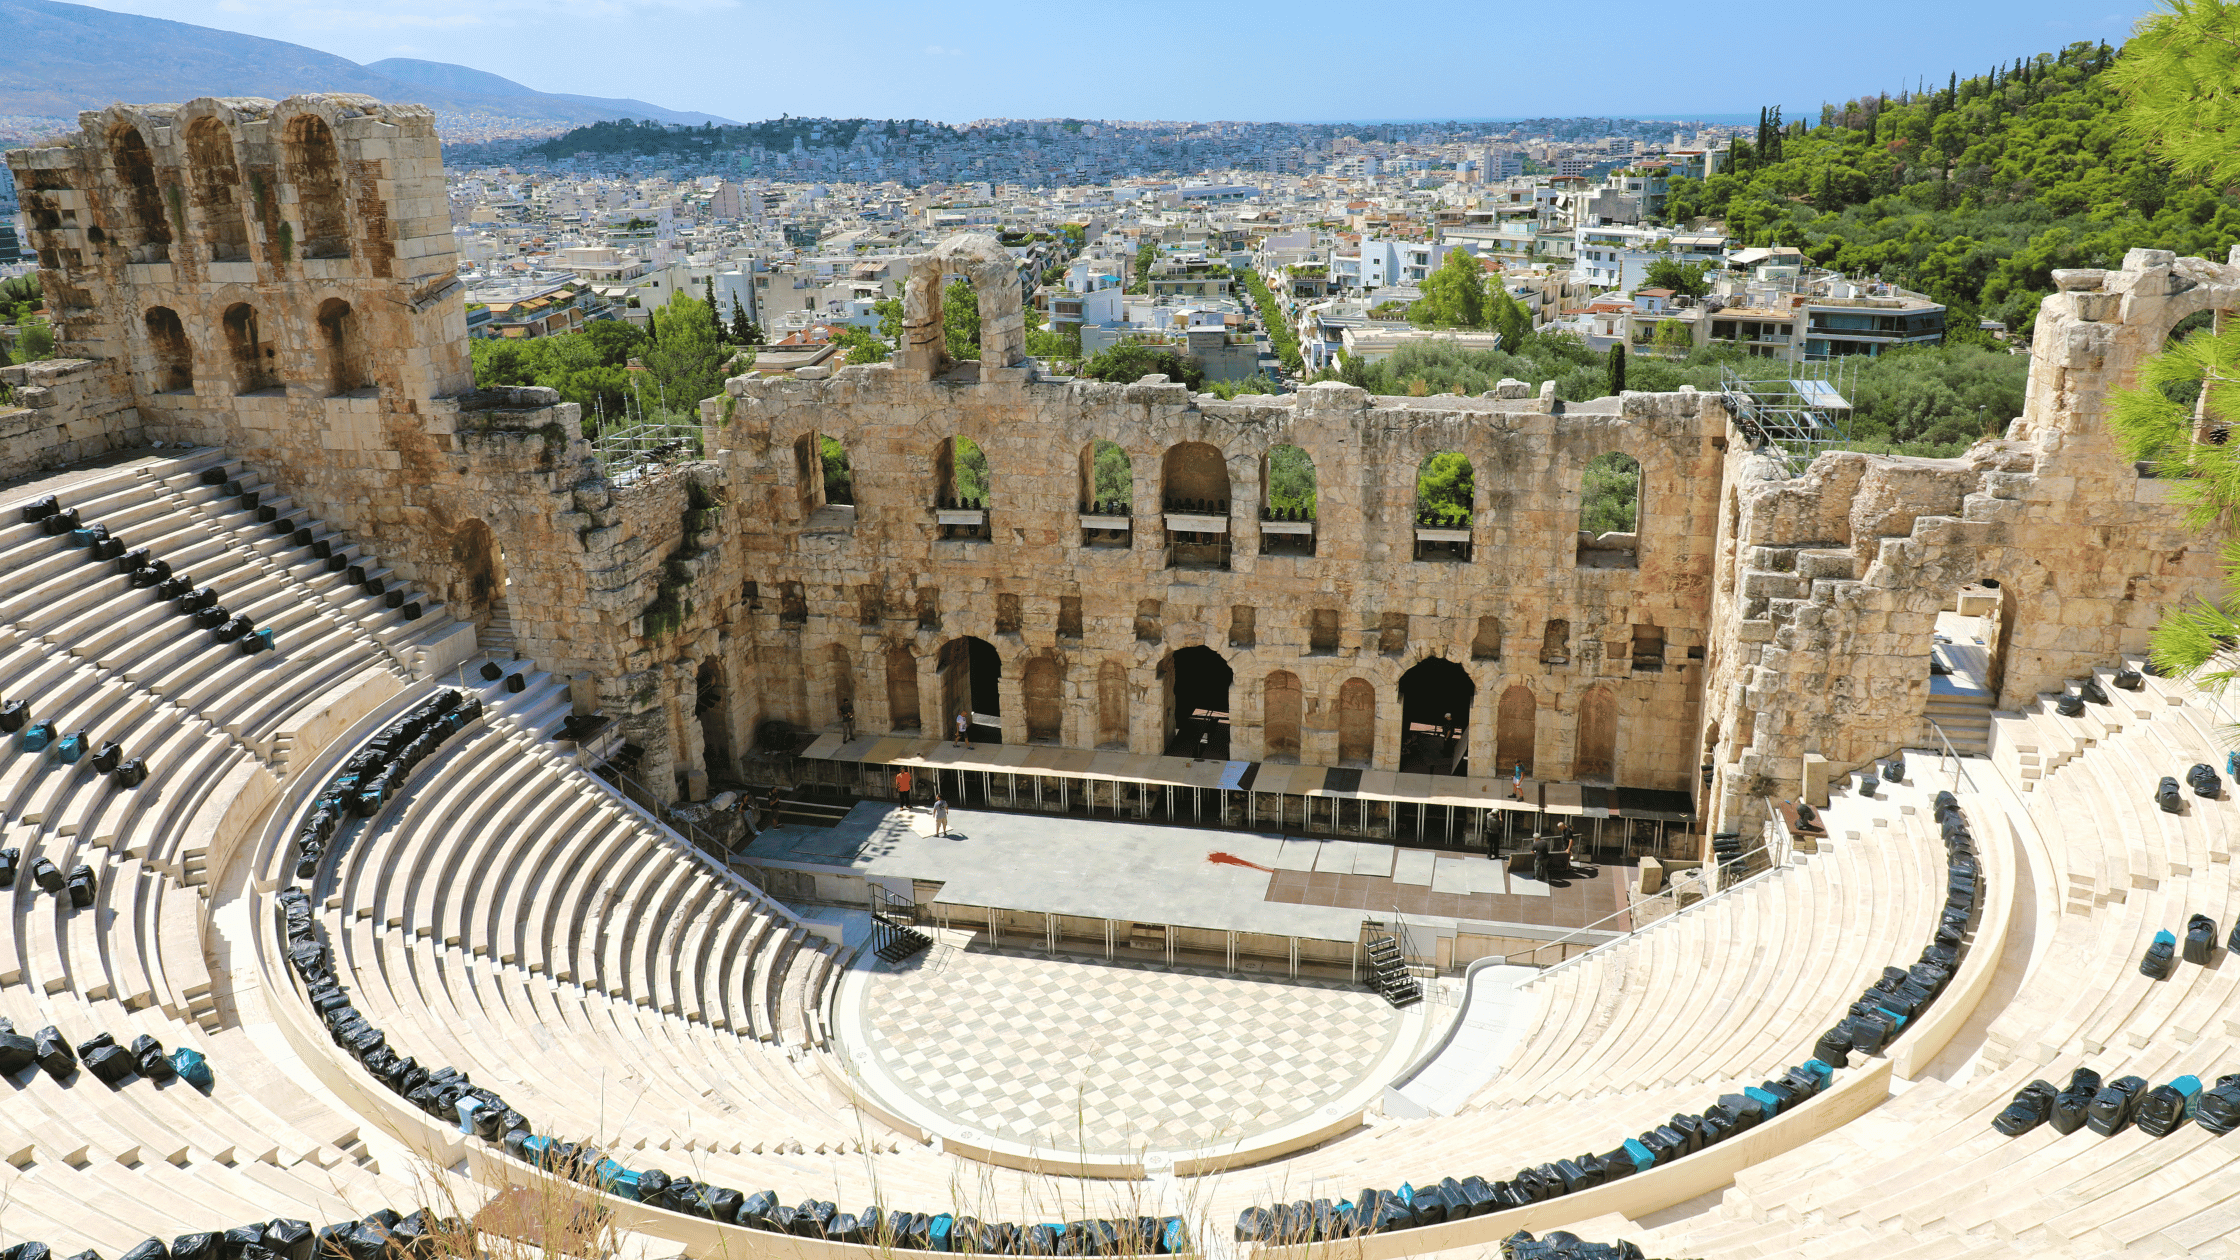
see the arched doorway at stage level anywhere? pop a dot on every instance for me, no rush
(968, 669)
(1435, 700)
(711, 707)
(1197, 702)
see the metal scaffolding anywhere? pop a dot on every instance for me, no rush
(1797, 409)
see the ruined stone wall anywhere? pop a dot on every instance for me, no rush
(1830, 594)
(62, 411)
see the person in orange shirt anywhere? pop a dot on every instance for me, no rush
(902, 786)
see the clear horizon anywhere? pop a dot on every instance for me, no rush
(1004, 60)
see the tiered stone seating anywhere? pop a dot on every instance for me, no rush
(1928, 1176)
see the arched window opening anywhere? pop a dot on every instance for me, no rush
(245, 348)
(1197, 703)
(1555, 643)
(1194, 492)
(1514, 731)
(902, 689)
(477, 590)
(711, 707)
(342, 348)
(316, 170)
(217, 190)
(1598, 737)
(1446, 501)
(970, 671)
(1112, 705)
(149, 234)
(1283, 709)
(1287, 503)
(1357, 723)
(1435, 700)
(961, 490)
(1486, 644)
(1043, 685)
(1108, 496)
(1609, 512)
(174, 359)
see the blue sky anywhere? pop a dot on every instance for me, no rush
(1245, 59)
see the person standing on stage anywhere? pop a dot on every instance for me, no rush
(1516, 784)
(848, 721)
(940, 816)
(902, 786)
(1542, 868)
(964, 732)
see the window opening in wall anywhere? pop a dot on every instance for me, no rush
(1007, 613)
(871, 606)
(1555, 643)
(1197, 686)
(1108, 496)
(961, 501)
(1609, 512)
(217, 191)
(1112, 705)
(1322, 630)
(793, 604)
(1148, 629)
(315, 168)
(1287, 507)
(174, 360)
(150, 235)
(252, 359)
(1042, 686)
(1357, 723)
(929, 608)
(1241, 625)
(712, 708)
(1486, 644)
(826, 482)
(1648, 649)
(969, 670)
(342, 351)
(902, 689)
(1392, 633)
(1283, 709)
(1435, 700)
(1598, 736)
(1514, 732)
(477, 591)
(1446, 499)
(1069, 616)
(839, 474)
(1194, 493)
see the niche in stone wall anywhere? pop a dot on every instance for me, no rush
(173, 358)
(250, 358)
(1392, 633)
(476, 592)
(1241, 625)
(1357, 722)
(147, 234)
(1283, 703)
(711, 707)
(1112, 705)
(1148, 629)
(342, 348)
(1486, 644)
(315, 168)
(1069, 616)
(1007, 613)
(902, 688)
(1598, 736)
(1513, 731)
(1042, 686)
(217, 190)
(1648, 649)
(1555, 642)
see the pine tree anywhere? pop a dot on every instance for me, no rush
(715, 313)
(1618, 368)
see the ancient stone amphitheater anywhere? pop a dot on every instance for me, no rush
(308, 648)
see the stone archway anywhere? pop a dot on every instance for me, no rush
(994, 276)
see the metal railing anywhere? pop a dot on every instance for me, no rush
(1677, 913)
(1946, 750)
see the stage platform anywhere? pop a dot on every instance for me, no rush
(1212, 880)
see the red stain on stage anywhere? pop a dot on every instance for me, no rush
(1231, 859)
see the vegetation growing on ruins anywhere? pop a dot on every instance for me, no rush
(2181, 80)
(588, 368)
(1446, 486)
(1130, 361)
(1974, 192)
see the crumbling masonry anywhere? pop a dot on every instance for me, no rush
(278, 279)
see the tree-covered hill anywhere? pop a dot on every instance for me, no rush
(1972, 192)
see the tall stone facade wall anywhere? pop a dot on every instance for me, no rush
(277, 278)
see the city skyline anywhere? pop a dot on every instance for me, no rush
(982, 64)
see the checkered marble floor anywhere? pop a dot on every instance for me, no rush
(1080, 1054)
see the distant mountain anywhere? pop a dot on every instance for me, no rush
(450, 78)
(66, 57)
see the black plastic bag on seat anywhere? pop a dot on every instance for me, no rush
(2202, 778)
(2219, 1109)
(109, 1064)
(2111, 1107)
(152, 1249)
(2160, 956)
(2161, 1110)
(288, 1239)
(239, 1239)
(2129, 679)
(46, 875)
(2201, 939)
(2069, 705)
(55, 1058)
(17, 1052)
(196, 1246)
(81, 885)
(2032, 1104)
(2075, 1100)
(2167, 798)
(2092, 691)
